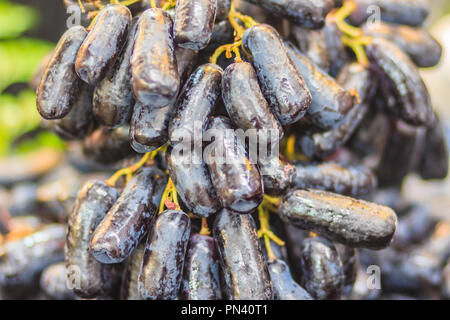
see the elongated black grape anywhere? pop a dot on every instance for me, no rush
(22, 261)
(129, 288)
(312, 44)
(108, 145)
(401, 155)
(422, 48)
(93, 202)
(401, 77)
(54, 282)
(60, 84)
(282, 85)
(80, 120)
(201, 279)
(148, 127)
(434, 162)
(195, 103)
(103, 44)
(322, 144)
(162, 267)
(128, 220)
(323, 273)
(194, 22)
(350, 263)
(356, 223)
(113, 96)
(409, 12)
(155, 75)
(330, 101)
(284, 286)
(342, 179)
(193, 182)
(439, 242)
(245, 103)
(237, 181)
(278, 175)
(306, 13)
(337, 52)
(246, 276)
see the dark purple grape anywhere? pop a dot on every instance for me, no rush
(323, 273)
(162, 267)
(194, 22)
(195, 103)
(282, 84)
(93, 202)
(246, 276)
(60, 84)
(128, 220)
(193, 182)
(201, 277)
(103, 44)
(356, 223)
(306, 13)
(237, 181)
(155, 77)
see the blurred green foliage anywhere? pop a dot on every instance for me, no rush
(19, 59)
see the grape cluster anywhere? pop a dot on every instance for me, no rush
(352, 114)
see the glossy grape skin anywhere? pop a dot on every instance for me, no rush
(422, 48)
(306, 13)
(401, 77)
(194, 22)
(333, 177)
(278, 175)
(155, 77)
(244, 101)
(323, 274)
(434, 162)
(201, 278)
(221, 33)
(284, 286)
(103, 44)
(80, 120)
(93, 202)
(22, 261)
(313, 45)
(193, 182)
(128, 220)
(356, 223)
(148, 127)
(162, 267)
(195, 103)
(409, 12)
(322, 144)
(186, 60)
(113, 96)
(130, 279)
(53, 282)
(59, 85)
(237, 181)
(107, 145)
(245, 269)
(330, 101)
(281, 83)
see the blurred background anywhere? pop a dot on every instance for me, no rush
(29, 30)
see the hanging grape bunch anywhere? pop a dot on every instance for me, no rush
(352, 117)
